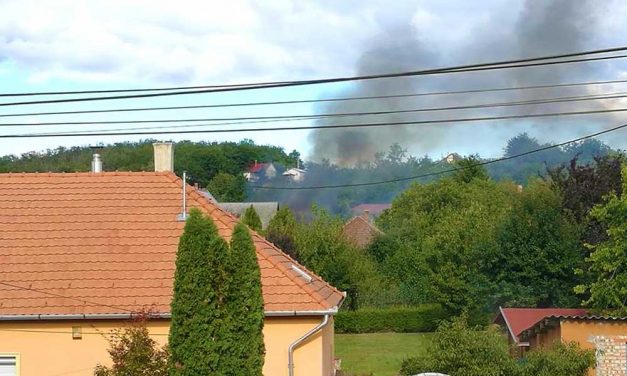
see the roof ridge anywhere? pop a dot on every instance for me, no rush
(83, 173)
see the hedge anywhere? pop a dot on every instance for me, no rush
(424, 318)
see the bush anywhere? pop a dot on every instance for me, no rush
(561, 359)
(424, 318)
(459, 350)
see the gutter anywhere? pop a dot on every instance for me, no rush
(126, 316)
(298, 342)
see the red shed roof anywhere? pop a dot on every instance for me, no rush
(105, 243)
(520, 319)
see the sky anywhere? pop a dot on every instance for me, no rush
(85, 45)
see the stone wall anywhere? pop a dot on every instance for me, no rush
(611, 354)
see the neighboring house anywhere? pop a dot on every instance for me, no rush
(295, 174)
(360, 231)
(259, 170)
(452, 158)
(374, 210)
(515, 320)
(80, 252)
(606, 335)
(265, 210)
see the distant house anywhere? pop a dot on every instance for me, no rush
(374, 210)
(360, 230)
(452, 158)
(260, 170)
(295, 174)
(80, 253)
(516, 320)
(606, 335)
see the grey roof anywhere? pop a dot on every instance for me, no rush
(265, 210)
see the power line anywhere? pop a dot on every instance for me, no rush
(309, 127)
(243, 120)
(63, 296)
(456, 69)
(351, 78)
(397, 180)
(434, 93)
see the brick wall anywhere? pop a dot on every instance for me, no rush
(611, 353)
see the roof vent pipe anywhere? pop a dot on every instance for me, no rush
(96, 162)
(183, 216)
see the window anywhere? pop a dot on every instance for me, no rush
(8, 365)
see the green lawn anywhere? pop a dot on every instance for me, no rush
(379, 353)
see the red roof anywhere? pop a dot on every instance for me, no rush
(85, 243)
(257, 167)
(360, 232)
(520, 319)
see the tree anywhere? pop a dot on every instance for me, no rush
(470, 168)
(251, 219)
(245, 305)
(538, 252)
(227, 188)
(133, 352)
(584, 186)
(608, 260)
(199, 336)
(282, 231)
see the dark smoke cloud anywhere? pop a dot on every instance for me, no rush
(542, 28)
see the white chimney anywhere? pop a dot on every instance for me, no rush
(164, 156)
(96, 161)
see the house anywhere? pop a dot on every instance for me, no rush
(516, 320)
(606, 335)
(360, 231)
(258, 170)
(295, 174)
(374, 210)
(452, 158)
(80, 252)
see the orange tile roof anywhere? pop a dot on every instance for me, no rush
(85, 243)
(360, 232)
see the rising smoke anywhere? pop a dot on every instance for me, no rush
(542, 28)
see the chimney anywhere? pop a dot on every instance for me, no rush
(366, 215)
(164, 156)
(96, 161)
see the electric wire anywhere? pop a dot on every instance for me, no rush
(308, 127)
(616, 95)
(436, 71)
(352, 78)
(322, 100)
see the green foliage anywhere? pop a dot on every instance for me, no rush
(560, 359)
(459, 350)
(608, 260)
(469, 169)
(282, 231)
(538, 252)
(447, 233)
(199, 335)
(251, 219)
(322, 248)
(245, 304)
(227, 188)
(133, 352)
(424, 318)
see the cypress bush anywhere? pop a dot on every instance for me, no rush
(245, 305)
(198, 334)
(424, 318)
(251, 219)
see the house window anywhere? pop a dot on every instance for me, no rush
(8, 365)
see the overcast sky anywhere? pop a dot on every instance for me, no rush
(76, 45)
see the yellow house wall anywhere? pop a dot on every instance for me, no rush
(46, 348)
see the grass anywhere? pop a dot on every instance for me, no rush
(379, 353)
